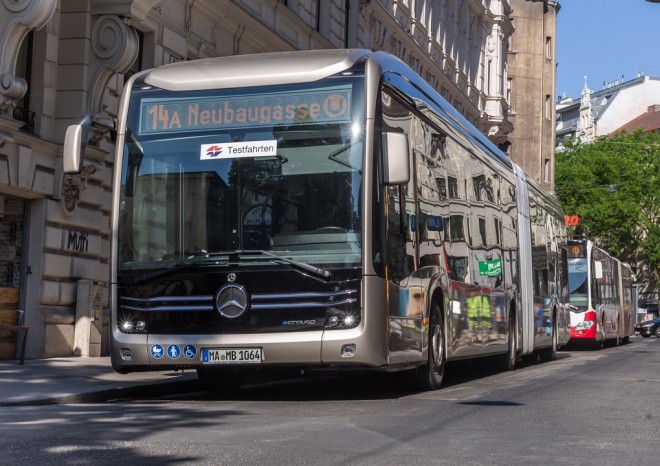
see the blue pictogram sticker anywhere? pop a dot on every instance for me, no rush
(190, 351)
(157, 351)
(173, 351)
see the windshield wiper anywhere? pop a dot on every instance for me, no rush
(326, 274)
(171, 267)
(231, 255)
(204, 253)
(302, 265)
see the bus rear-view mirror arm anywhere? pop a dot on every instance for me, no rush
(396, 168)
(76, 136)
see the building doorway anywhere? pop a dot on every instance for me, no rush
(12, 249)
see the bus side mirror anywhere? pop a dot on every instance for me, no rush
(598, 270)
(75, 139)
(395, 158)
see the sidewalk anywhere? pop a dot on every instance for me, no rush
(77, 380)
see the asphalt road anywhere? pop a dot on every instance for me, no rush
(588, 407)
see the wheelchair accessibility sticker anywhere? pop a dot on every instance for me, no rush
(190, 351)
(157, 351)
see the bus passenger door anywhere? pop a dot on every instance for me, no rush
(406, 293)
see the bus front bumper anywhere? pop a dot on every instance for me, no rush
(352, 347)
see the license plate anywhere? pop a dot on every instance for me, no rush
(231, 356)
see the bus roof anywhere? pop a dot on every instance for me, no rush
(301, 66)
(253, 70)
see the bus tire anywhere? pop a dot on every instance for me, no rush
(219, 380)
(430, 375)
(507, 361)
(550, 354)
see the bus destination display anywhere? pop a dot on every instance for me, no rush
(183, 114)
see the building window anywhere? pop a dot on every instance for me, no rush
(442, 188)
(506, 147)
(546, 171)
(509, 91)
(482, 231)
(489, 77)
(24, 70)
(548, 106)
(453, 188)
(548, 48)
(456, 230)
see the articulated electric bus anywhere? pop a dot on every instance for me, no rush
(320, 209)
(600, 295)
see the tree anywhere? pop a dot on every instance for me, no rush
(613, 185)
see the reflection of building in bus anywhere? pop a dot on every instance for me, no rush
(478, 242)
(396, 228)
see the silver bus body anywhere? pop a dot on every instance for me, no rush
(471, 243)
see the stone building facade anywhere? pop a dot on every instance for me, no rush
(531, 88)
(64, 58)
(604, 111)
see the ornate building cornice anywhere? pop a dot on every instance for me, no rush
(17, 18)
(115, 46)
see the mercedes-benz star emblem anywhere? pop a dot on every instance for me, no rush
(231, 301)
(231, 278)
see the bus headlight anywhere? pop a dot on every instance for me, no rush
(342, 320)
(585, 325)
(130, 324)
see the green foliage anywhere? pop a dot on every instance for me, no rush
(622, 222)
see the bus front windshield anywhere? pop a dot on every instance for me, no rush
(578, 283)
(276, 170)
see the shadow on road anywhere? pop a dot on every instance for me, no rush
(325, 386)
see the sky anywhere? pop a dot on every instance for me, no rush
(603, 40)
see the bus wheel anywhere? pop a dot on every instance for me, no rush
(219, 380)
(508, 360)
(550, 354)
(429, 376)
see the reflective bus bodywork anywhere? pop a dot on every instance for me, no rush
(322, 209)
